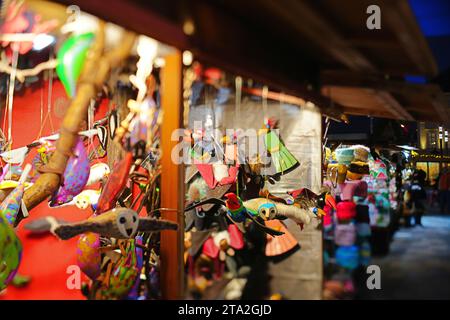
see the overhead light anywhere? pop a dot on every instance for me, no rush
(406, 147)
(188, 27)
(188, 57)
(42, 41)
(402, 125)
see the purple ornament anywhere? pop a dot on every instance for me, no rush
(75, 176)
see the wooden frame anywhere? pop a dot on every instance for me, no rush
(172, 180)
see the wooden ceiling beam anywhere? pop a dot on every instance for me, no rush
(399, 16)
(368, 113)
(305, 20)
(299, 14)
(379, 82)
(394, 107)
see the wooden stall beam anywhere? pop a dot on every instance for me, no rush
(401, 19)
(172, 180)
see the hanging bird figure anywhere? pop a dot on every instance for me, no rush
(75, 176)
(119, 223)
(10, 246)
(13, 202)
(237, 212)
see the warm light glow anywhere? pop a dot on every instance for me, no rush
(188, 27)
(42, 41)
(188, 57)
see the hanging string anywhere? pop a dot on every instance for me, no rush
(5, 116)
(39, 135)
(265, 92)
(238, 84)
(49, 97)
(12, 81)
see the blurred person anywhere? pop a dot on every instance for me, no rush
(443, 193)
(418, 196)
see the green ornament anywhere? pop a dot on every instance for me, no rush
(10, 252)
(71, 57)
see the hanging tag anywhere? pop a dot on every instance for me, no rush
(24, 209)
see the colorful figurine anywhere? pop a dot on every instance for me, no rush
(12, 203)
(282, 160)
(98, 172)
(115, 184)
(237, 212)
(71, 57)
(75, 177)
(10, 252)
(88, 254)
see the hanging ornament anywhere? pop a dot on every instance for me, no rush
(75, 177)
(71, 57)
(12, 203)
(115, 184)
(118, 283)
(10, 252)
(276, 246)
(88, 254)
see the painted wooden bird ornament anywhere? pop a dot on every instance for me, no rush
(120, 223)
(237, 212)
(270, 209)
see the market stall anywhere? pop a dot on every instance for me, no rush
(93, 117)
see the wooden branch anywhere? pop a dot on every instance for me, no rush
(95, 73)
(22, 74)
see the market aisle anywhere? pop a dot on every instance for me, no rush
(417, 266)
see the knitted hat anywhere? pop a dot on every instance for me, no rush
(344, 155)
(362, 213)
(364, 253)
(347, 257)
(346, 210)
(363, 229)
(359, 167)
(345, 234)
(354, 176)
(361, 153)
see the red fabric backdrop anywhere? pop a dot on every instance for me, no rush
(44, 258)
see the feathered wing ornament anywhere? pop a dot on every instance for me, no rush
(282, 160)
(119, 223)
(276, 246)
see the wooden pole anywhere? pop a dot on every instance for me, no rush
(172, 180)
